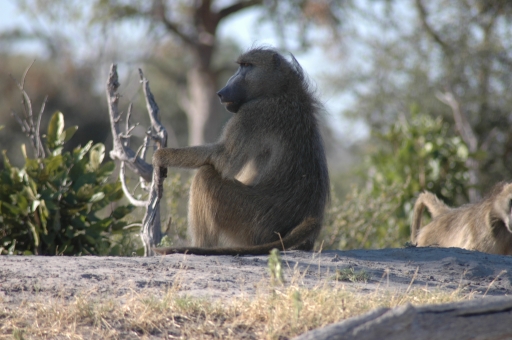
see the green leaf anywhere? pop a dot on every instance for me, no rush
(97, 197)
(122, 211)
(79, 152)
(54, 163)
(28, 193)
(57, 150)
(96, 156)
(85, 179)
(13, 209)
(54, 137)
(70, 131)
(24, 151)
(7, 163)
(106, 170)
(32, 165)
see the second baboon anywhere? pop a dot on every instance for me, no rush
(483, 226)
(265, 183)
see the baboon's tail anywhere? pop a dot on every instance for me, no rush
(296, 237)
(435, 207)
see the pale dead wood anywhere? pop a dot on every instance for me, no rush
(119, 150)
(151, 233)
(28, 126)
(461, 121)
(485, 318)
(468, 136)
(129, 196)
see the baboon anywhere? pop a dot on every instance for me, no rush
(264, 184)
(483, 226)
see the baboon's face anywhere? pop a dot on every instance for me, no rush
(504, 206)
(234, 94)
(260, 73)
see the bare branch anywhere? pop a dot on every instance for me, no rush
(31, 129)
(142, 152)
(461, 120)
(159, 133)
(159, 11)
(120, 151)
(21, 122)
(151, 232)
(133, 225)
(22, 88)
(423, 17)
(127, 128)
(238, 6)
(145, 143)
(40, 149)
(129, 196)
(468, 136)
(151, 229)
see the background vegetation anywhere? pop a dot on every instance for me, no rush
(51, 205)
(429, 80)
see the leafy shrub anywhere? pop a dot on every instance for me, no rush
(176, 189)
(415, 155)
(51, 205)
(364, 219)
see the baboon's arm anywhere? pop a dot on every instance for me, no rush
(297, 236)
(188, 157)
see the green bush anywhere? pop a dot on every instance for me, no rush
(51, 205)
(363, 219)
(414, 155)
(176, 190)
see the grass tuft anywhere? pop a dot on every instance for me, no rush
(275, 312)
(349, 274)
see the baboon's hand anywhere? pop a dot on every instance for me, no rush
(159, 158)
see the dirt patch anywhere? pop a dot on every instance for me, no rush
(26, 277)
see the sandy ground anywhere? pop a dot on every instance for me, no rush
(26, 277)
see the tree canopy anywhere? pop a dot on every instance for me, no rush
(450, 58)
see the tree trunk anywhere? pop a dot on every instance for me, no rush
(203, 109)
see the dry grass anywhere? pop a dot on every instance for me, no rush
(276, 312)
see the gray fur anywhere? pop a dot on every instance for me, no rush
(268, 172)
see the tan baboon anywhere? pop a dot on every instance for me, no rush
(483, 226)
(266, 178)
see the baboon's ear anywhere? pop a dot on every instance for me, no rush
(297, 67)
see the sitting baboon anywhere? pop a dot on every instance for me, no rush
(266, 178)
(483, 226)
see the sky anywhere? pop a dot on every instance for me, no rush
(241, 28)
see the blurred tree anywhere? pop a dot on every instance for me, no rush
(192, 27)
(452, 58)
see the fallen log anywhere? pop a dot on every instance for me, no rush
(481, 318)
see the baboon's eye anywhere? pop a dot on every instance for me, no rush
(245, 64)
